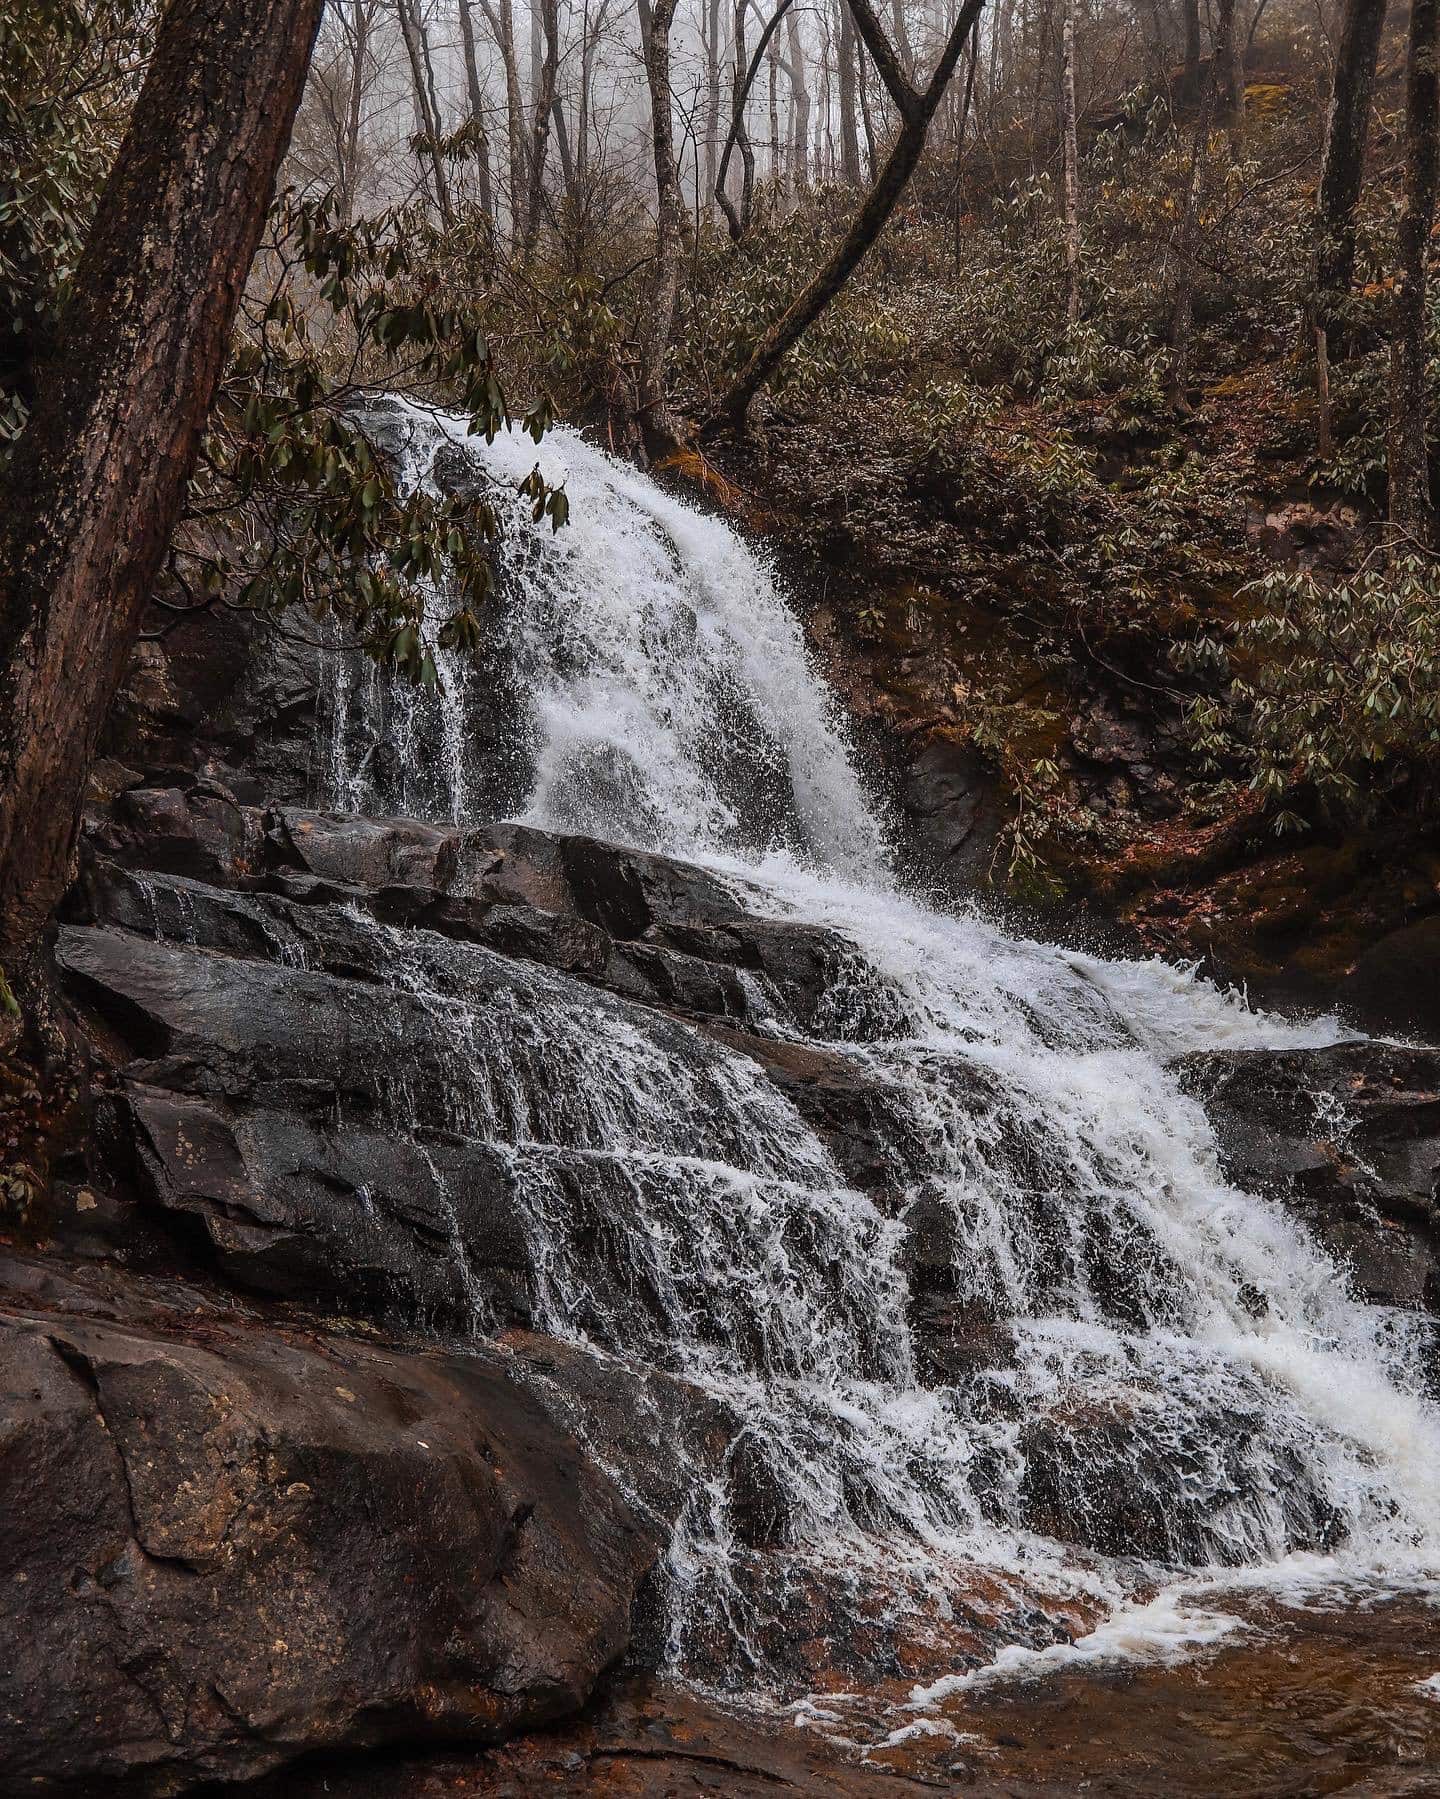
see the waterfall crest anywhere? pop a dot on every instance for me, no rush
(1172, 1382)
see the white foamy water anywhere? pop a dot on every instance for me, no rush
(1173, 1384)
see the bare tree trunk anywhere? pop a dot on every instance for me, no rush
(425, 109)
(1192, 47)
(350, 158)
(916, 108)
(849, 81)
(1411, 513)
(1071, 148)
(500, 17)
(800, 110)
(712, 98)
(775, 172)
(546, 21)
(738, 136)
(477, 114)
(656, 419)
(1183, 312)
(97, 479)
(1229, 83)
(1347, 132)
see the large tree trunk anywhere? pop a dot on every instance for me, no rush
(1071, 157)
(97, 480)
(1411, 515)
(916, 109)
(656, 420)
(1347, 131)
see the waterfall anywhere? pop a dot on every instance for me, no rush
(1174, 1366)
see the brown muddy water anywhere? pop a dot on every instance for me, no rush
(1302, 1702)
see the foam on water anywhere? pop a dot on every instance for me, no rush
(1181, 1374)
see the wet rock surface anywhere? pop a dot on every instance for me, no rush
(1350, 1137)
(288, 1008)
(231, 1538)
(1294, 1704)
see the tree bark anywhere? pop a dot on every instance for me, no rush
(800, 110)
(477, 114)
(545, 64)
(1347, 132)
(1071, 157)
(350, 160)
(426, 110)
(97, 479)
(916, 108)
(1192, 47)
(712, 98)
(656, 419)
(1182, 315)
(1229, 86)
(849, 111)
(738, 136)
(1411, 514)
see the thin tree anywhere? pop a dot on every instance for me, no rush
(1411, 514)
(477, 114)
(738, 136)
(1347, 131)
(656, 420)
(1071, 158)
(97, 479)
(427, 109)
(849, 99)
(916, 107)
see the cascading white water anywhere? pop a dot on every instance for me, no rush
(1187, 1369)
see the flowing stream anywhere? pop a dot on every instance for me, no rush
(1174, 1368)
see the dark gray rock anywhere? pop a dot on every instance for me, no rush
(1349, 1136)
(228, 1542)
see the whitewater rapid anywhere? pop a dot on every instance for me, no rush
(1173, 1337)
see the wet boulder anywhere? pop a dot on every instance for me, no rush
(229, 1543)
(1349, 1137)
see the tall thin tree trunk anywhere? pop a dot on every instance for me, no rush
(800, 113)
(1191, 10)
(849, 81)
(1229, 82)
(1182, 313)
(1071, 147)
(350, 161)
(775, 172)
(425, 109)
(97, 479)
(1342, 169)
(544, 16)
(1411, 513)
(477, 114)
(712, 99)
(656, 418)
